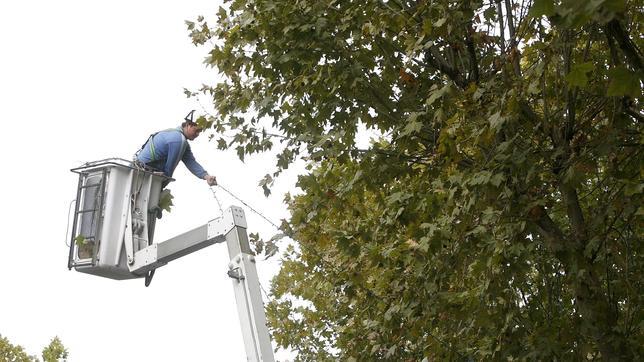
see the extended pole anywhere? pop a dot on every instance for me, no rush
(245, 280)
(231, 227)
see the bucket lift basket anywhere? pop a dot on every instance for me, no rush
(116, 207)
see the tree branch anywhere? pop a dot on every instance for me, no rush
(570, 95)
(634, 56)
(514, 52)
(526, 110)
(633, 113)
(499, 10)
(551, 233)
(471, 51)
(436, 61)
(613, 51)
(574, 212)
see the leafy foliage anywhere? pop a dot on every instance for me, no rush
(12, 353)
(497, 213)
(54, 352)
(85, 246)
(80, 240)
(165, 200)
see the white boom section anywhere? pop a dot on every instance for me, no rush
(232, 229)
(249, 300)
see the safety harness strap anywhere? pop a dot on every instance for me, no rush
(184, 145)
(153, 153)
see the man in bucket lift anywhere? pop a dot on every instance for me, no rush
(163, 150)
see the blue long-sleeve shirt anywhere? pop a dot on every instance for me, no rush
(165, 149)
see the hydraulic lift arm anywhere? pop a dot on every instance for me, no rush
(231, 228)
(113, 230)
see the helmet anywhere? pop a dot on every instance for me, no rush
(190, 117)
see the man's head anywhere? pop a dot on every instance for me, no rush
(190, 128)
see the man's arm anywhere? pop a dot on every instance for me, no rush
(196, 169)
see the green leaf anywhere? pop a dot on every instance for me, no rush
(440, 22)
(165, 200)
(578, 74)
(633, 188)
(257, 242)
(391, 351)
(490, 13)
(541, 8)
(80, 240)
(221, 12)
(413, 126)
(497, 179)
(265, 183)
(368, 29)
(438, 94)
(624, 82)
(496, 120)
(203, 122)
(427, 26)
(615, 5)
(240, 152)
(271, 249)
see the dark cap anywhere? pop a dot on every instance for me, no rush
(190, 116)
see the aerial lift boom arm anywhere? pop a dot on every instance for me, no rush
(231, 228)
(112, 237)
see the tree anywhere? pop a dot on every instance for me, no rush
(12, 353)
(54, 352)
(497, 215)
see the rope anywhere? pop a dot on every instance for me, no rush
(245, 204)
(268, 298)
(214, 194)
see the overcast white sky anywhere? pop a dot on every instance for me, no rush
(87, 80)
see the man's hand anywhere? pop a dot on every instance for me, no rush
(211, 180)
